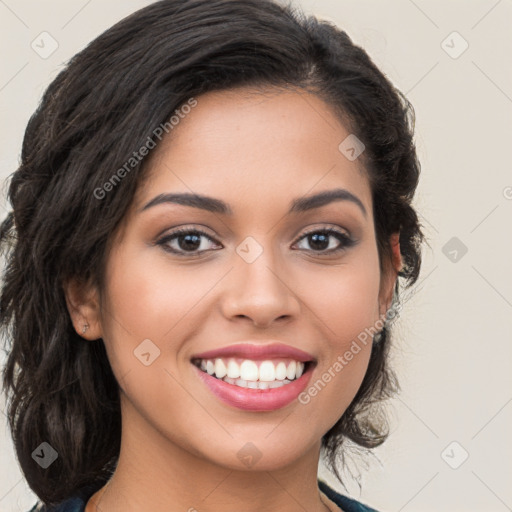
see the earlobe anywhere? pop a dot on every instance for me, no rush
(82, 300)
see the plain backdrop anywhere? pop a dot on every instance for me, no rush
(450, 448)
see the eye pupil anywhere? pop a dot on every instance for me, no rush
(195, 244)
(316, 236)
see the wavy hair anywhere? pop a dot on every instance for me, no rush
(103, 105)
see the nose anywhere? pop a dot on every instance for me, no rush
(260, 291)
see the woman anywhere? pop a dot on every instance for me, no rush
(208, 224)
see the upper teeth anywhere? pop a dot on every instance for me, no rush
(248, 370)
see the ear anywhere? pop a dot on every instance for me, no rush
(82, 300)
(390, 275)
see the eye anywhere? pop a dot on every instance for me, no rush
(320, 240)
(185, 241)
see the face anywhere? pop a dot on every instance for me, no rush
(259, 269)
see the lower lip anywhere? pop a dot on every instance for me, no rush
(256, 399)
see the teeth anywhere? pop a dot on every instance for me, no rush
(281, 371)
(233, 370)
(255, 385)
(267, 371)
(249, 375)
(290, 372)
(249, 370)
(220, 369)
(299, 370)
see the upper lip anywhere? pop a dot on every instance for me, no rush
(257, 351)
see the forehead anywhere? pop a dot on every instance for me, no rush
(252, 147)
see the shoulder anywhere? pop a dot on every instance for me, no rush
(346, 504)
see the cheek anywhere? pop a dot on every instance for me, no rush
(132, 309)
(149, 308)
(346, 302)
(345, 299)
(147, 295)
(142, 305)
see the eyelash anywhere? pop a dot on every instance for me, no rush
(345, 240)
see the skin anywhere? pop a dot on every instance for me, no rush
(179, 442)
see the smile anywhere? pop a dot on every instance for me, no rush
(271, 390)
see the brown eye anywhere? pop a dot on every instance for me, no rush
(185, 242)
(324, 240)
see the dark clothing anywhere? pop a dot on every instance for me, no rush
(77, 502)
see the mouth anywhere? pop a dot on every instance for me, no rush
(254, 377)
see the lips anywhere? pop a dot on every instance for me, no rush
(266, 388)
(257, 351)
(255, 400)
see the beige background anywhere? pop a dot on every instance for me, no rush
(454, 346)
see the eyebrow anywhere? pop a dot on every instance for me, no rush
(299, 205)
